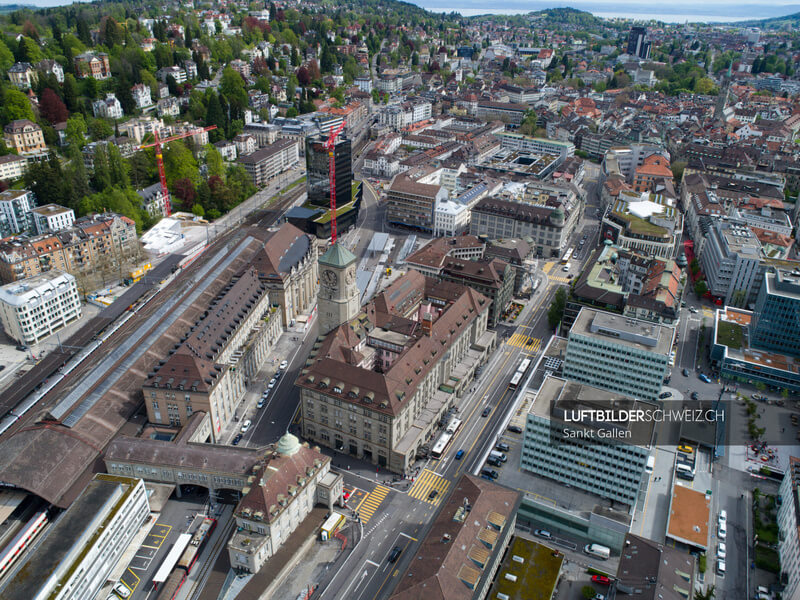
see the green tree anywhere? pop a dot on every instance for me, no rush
(100, 129)
(700, 288)
(101, 178)
(46, 180)
(677, 170)
(704, 86)
(179, 163)
(16, 106)
(587, 592)
(6, 57)
(232, 86)
(707, 595)
(117, 167)
(214, 162)
(198, 210)
(29, 51)
(123, 201)
(214, 113)
(556, 311)
(76, 130)
(70, 92)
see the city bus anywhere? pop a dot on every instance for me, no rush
(441, 444)
(520, 373)
(567, 256)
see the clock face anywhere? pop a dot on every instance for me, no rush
(329, 278)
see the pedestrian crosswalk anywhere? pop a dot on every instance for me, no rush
(367, 507)
(559, 279)
(547, 267)
(426, 483)
(520, 340)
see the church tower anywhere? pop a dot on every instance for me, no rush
(337, 301)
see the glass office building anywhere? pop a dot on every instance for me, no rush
(317, 170)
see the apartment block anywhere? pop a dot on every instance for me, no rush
(16, 208)
(731, 261)
(24, 137)
(270, 161)
(51, 218)
(37, 307)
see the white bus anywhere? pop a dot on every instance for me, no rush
(441, 444)
(567, 256)
(521, 370)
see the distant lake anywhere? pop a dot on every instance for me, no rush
(680, 11)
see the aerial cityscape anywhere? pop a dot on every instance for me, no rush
(366, 300)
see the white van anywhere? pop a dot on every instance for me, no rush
(597, 551)
(651, 464)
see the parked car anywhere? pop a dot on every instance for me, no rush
(272, 383)
(665, 395)
(22, 347)
(237, 439)
(705, 378)
(246, 425)
(543, 533)
(260, 403)
(122, 590)
(693, 396)
(721, 550)
(502, 447)
(514, 429)
(495, 462)
(284, 364)
(685, 372)
(601, 579)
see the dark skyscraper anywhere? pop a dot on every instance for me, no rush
(318, 182)
(638, 44)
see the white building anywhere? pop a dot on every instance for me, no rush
(176, 72)
(138, 128)
(164, 237)
(141, 96)
(450, 218)
(364, 84)
(51, 218)
(34, 308)
(82, 548)
(168, 107)
(110, 108)
(731, 261)
(788, 527)
(15, 212)
(12, 167)
(153, 200)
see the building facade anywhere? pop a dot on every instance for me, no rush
(51, 218)
(776, 318)
(82, 548)
(550, 227)
(318, 171)
(24, 137)
(94, 65)
(280, 495)
(609, 468)
(288, 266)
(223, 349)
(338, 300)
(16, 212)
(93, 239)
(789, 530)
(618, 354)
(410, 203)
(108, 108)
(35, 308)
(270, 161)
(372, 389)
(731, 262)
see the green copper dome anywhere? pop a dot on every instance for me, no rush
(288, 444)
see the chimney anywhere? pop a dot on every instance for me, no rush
(427, 324)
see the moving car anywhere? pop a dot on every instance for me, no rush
(433, 494)
(246, 425)
(685, 372)
(665, 395)
(704, 378)
(693, 396)
(22, 347)
(459, 455)
(486, 411)
(395, 554)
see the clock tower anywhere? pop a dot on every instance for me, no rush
(337, 301)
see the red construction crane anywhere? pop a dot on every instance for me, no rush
(330, 145)
(160, 158)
